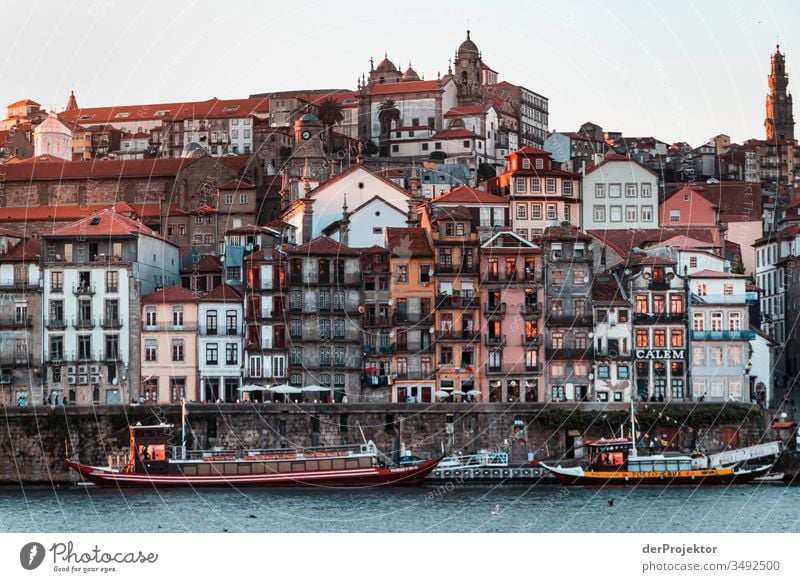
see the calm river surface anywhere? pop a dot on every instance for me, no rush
(551, 508)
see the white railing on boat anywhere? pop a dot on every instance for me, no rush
(482, 459)
(274, 454)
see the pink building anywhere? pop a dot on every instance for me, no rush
(511, 319)
(688, 206)
(169, 345)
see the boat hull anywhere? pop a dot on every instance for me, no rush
(363, 477)
(691, 478)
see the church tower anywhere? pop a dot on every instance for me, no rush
(468, 73)
(780, 121)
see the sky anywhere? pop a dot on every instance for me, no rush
(679, 70)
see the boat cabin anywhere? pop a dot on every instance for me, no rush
(608, 455)
(148, 445)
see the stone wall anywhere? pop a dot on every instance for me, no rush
(32, 444)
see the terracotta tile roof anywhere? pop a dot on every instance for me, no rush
(176, 294)
(613, 157)
(23, 251)
(39, 213)
(606, 289)
(24, 102)
(623, 241)
(641, 259)
(237, 184)
(467, 195)
(454, 133)
(408, 242)
(10, 233)
(223, 293)
(248, 229)
(47, 168)
(207, 264)
(340, 95)
(565, 231)
(104, 223)
(465, 110)
(530, 150)
(279, 224)
(451, 213)
(404, 87)
(210, 109)
(324, 246)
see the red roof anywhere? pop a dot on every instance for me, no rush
(237, 185)
(465, 110)
(529, 150)
(224, 293)
(622, 241)
(24, 102)
(24, 250)
(605, 288)
(210, 109)
(454, 133)
(248, 229)
(323, 245)
(47, 168)
(404, 87)
(176, 294)
(207, 264)
(467, 195)
(278, 224)
(408, 242)
(105, 223)
(612, 157)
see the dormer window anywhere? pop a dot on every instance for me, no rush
(526, 164)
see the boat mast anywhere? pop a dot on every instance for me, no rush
(183, 428)
(633, 431)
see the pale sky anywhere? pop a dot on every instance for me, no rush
(680, 70)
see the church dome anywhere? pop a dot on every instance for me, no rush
(309, 117)
(410, 74)
(386, 66)
(193, 150)
(468, 48)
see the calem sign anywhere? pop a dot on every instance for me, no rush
(660, 354)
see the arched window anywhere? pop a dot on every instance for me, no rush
(463, 77)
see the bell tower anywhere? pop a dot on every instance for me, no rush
(468, 73)
(779, 122)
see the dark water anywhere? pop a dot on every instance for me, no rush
(551, 508)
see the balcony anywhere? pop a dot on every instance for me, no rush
(461, 269)
(14, 322)
(16, 361)
(530, 310)
(532, 341)
(83, 290)
(111, 323)
(375, 322)
(414, 347)
(747, 298)
(512, 369)
(495, 342)
(84, 323)
(743, 334)
(18, 286)
(659, 318)
(493, 311)
(416, 375)
(458, 336)
(611, 355)
(661, 285)
(456, 302)
(55, 323)
(162, 326)
(569, 353)
(407, 318)
(554, 319)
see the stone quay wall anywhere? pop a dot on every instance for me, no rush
(32, 440)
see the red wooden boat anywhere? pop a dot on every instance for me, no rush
(153, 462)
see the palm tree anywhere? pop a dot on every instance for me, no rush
(387, 113)
(330, 113)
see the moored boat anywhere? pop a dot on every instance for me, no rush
(487, 467)
(153, 462)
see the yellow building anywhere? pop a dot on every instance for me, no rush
(412, 294)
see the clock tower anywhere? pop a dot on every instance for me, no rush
(309, 151)
(779, 122)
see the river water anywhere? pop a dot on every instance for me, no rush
(548, 508)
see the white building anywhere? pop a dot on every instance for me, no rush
(95, 272)
(613, 375)
(52, 138)
(720, 336)
(220, 344)
(619, 193)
